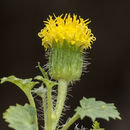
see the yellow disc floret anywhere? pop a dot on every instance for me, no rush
(72, 29)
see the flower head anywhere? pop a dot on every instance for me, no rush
(66, 38)
(72, 29)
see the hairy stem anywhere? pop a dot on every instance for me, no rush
(44, 110)
(62, 92)
(32, 103)
(49, 108)
(70, 122)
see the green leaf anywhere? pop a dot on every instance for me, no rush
(41, 91)
(20, 117)
(24, 84)
(43, 71)
(47, 82)
(96, 126)
(97, 109)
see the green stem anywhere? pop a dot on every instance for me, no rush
(32, 103)
(49, 108)
(45, 112)
(62, 92)
(70, 122)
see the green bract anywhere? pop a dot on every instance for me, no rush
(65, 61)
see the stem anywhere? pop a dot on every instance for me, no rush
(49, 108)
(62, 92)
(32, 103)
(70, 122)
(45, 114)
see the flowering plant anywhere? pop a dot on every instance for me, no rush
(65, 40)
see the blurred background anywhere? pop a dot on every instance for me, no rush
(108, 78)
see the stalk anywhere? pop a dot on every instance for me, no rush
(62, 92)
(32, 103)
(49, 108)
(45, 114)
(70, 122)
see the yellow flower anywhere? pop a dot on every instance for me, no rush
(72, 29)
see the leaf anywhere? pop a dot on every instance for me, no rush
(97, 109)
(43, 71)
(20, 117)
(47, 82)
(24, 84)
(96, 126)
(41, 91)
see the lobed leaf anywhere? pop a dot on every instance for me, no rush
(97, 109)
(24, 84)
(20, 117)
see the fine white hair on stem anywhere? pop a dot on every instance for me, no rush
(82, 128)
(40, 109)
(42, 127)
(34, 95)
